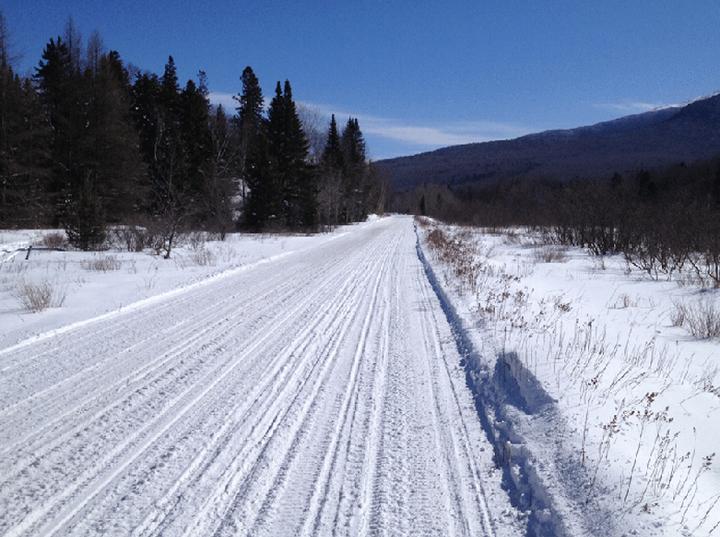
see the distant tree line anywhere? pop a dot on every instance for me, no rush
(662, 221)
(88, 141)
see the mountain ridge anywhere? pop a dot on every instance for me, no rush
(648, 140)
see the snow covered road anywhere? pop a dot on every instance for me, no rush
(318, 394)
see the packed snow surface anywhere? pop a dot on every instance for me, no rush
(318, 393)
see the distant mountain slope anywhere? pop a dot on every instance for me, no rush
(649, 140)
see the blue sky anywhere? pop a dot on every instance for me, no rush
(418, 74)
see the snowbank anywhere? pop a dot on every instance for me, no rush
(615, 409)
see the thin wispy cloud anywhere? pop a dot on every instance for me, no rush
(419, 134)
(426, 134)
(225, 99)
(634, 106)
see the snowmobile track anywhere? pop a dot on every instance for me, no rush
(316, 394)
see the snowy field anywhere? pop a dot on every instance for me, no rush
(610, 404)
(87, 284)
(320, 392)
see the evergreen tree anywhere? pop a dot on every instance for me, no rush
(254, 159)
(293, 189)
(277, 161)
(331, 178)
(94, 142)
(83, 140)
(59, 85)
(353, 144)
(260, 178)
(250, 122)
(157, 105)
(111, 144)
(332, 157)
(24, 160)
(353, 148)
(146, 113)
(222, 184)
(168, 158)
(197, 141)
(300, 196)
(84, 219)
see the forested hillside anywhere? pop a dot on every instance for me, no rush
(650, 141)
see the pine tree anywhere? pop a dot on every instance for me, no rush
(260, 178)
(157, 106)
(250, 121)
(146, 113)
(84, 219)
(222, 183)
(353, 148)
(332, 157)
(273, 186)
(300, 196)
(59, 85)
(111, 151)
(293, 190)
(331, 178)
(197, 142)
(254, 159)
(169, 158)
(353, 144)
(24, 137)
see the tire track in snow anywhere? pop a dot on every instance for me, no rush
(318, 500)
(108, 353)
(463, 451)
(324, 403)
(215, 498)
(135, 375)
(126, 453)
(79, 423)
(288, 450)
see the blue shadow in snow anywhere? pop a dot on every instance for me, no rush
(510, 383)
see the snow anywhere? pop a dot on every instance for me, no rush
(137, 276)
(316, 392)
(354, 383)
(614, 408)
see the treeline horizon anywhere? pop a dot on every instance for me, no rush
(89, 141)
(662, 221)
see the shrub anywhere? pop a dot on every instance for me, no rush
(55, 239)
(460, 253)
(84, 220)
(202, 257)
(702, 319)
(102, 264)
(133, 238)
(551, 254)
(39, 296)
(678, 314)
